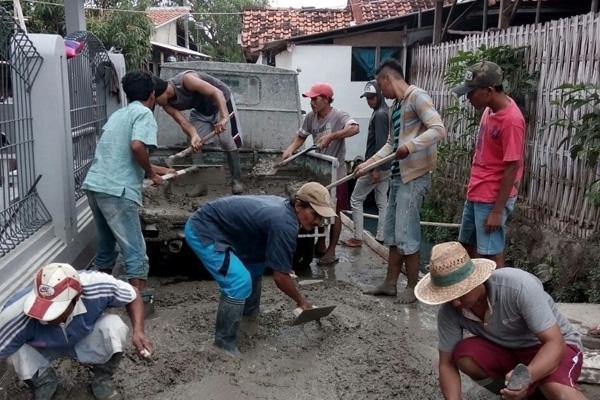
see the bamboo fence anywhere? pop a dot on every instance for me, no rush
(562, 51)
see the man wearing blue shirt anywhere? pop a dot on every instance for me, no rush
(237, 237)
(62, 315)
(114, 181)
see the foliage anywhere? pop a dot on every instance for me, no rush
(518, 83)
(218, 33)
(128, 31)
(45, 18)
(579, 104)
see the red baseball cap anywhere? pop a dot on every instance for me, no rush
(55, 286)
(319, 89)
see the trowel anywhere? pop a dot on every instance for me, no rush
(168, 177)
(312, 314)
(273, 169)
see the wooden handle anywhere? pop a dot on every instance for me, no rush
(168, 177)
(368, 168)
(287, 160)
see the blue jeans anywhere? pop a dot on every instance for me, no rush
(403, 215)
(233, 277)
(118, 222)
(472, 227)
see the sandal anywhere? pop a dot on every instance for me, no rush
(595, 333)
(352, 242)
(323, 262)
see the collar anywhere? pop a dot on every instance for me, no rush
(77, 310)
(468, 314)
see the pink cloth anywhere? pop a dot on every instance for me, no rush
(501, 139)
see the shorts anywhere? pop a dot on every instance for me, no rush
(402, 226)
(472, 227)
(497, 361)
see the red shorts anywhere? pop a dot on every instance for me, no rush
(343, 202)
(497, 361)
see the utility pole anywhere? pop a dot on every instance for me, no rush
(437, 21)
(186, 28)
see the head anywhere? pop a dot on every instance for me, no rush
(56, 289)
(312, 203)
(482, 85)
(321, 97)
(138, 86)
(160, 88)
(388, 73)
(454, 277)
(373, 94)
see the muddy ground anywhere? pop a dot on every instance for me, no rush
(369, 348)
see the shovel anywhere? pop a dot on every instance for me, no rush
(368, 168)
(189, 150)
(168, 177)
(273, 170)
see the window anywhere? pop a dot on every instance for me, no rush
(366, 59)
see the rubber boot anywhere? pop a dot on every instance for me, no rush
(102, 384)
(252, 304)
(229, 317)
(45, 385)
(233, 159)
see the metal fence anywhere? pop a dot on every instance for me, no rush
(21, 210)
(89, 78)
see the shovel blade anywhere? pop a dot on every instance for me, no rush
(313, 314)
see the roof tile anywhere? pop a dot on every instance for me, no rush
(162, 15)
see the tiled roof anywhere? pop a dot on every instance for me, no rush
(162, 15)
(265, 25)
(375, 10)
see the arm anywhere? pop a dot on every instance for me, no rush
(431, 119)
(348, 131)
(449, 377)
(285, 283)
(494, 220)
(135, 310)
(192, 83)
(295, 145)
(182, 121)
(544, 362)
(140, 154)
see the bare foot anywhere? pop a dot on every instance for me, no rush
(408, 296)
(352, 242)
(382, 290)
(328, 260)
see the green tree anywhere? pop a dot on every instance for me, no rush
(217, 34)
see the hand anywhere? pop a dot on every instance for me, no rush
(305, 305)
(493, 222)
(286, 154)
(156, 179)
(324, 141)
(376, 177)
(164, 171)
(221, 125)
(402, 152)
(196, 142)
(513, 394)
(360, 170)
(141, 342)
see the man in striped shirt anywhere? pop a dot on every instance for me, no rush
(62, 315)
(415, 129)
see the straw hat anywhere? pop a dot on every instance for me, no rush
(452, 275)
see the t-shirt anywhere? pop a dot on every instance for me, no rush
(260, 230)
(396, 120)
(205, 105)
(335, 121)
(500, 139)
(114, 170)
(519, 309)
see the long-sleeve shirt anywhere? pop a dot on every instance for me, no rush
(419, 127)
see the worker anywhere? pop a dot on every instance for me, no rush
(212, 107)
(237, 237)
(62, 314)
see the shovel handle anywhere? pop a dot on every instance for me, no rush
(298, 154)
(168, 177)
(368, 168)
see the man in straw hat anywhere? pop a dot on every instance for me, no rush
(237, 237)
(62, 315)
(521, 339)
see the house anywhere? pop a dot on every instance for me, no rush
(169, 39)
(343, 47)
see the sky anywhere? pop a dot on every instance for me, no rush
(309, 3)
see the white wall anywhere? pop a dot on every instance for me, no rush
(166, 34)
(331, 64)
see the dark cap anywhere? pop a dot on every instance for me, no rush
(480, 75)
(371, 89)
